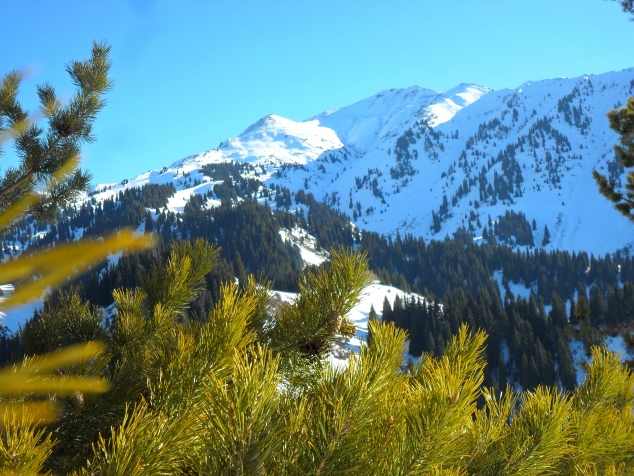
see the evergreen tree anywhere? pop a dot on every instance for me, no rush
(430, 343)
(372, 317)
(149, 223)
(49, 158)
(435, 222)
(546, 239)
(386, 312)
(418, 327)
(238, 266)
(439, 349)
(582, 308)
(597, 305)
(567, 374)
(558, 312)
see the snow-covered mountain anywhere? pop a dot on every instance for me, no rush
(421, 162)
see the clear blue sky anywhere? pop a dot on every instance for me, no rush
(190, 74)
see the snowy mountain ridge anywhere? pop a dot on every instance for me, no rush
(417, 161)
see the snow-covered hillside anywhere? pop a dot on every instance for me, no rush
(421, 162)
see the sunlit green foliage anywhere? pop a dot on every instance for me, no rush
(224, 396)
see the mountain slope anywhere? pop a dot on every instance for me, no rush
(417, 161)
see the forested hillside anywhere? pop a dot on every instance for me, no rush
(566, 295)
(526, 346)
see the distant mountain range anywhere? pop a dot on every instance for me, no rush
(420, 162)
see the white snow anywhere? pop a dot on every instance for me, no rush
(517, 289)
(276, 140)
(307, 244)
(616, 344)
(374, 295)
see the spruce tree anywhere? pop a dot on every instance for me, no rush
(238, 266)
(567, 373)
(558, 312)
(546, 239)
(597, 305)
(386, 312)
(582, 308)
(372, 317)
(149, 222)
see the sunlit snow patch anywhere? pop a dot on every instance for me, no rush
(311, 255)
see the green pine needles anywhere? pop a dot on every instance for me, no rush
(240, 394)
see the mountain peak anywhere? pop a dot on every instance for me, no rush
(270, 121)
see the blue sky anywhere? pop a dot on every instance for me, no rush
(190, 74)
